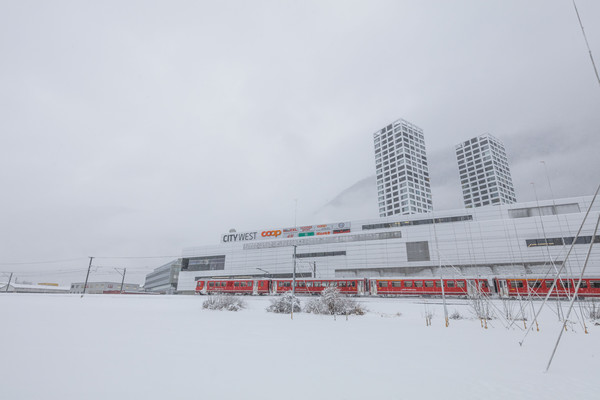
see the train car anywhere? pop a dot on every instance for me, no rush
(540, 287)
(316, 286)
(429, 287)
(233, 286)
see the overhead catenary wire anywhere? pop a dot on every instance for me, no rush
(586, 42)
(574, 295)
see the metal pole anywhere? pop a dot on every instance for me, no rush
(563, 264)
(314, 269)
(437, 247)
(574, 295)
(87, 276)
(123, 280)
(8, 284)
(293, 284)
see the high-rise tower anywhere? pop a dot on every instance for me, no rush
(402, 172)
(484, 172)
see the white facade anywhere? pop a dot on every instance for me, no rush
(102, 287)
(164, 278)
(504, 240)
(484, 172)
(402, 171)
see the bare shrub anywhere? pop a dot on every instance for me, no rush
(333, 302)
(592, 309)
(455, 315)
(283, 304)
(480, 307)
(224, 302)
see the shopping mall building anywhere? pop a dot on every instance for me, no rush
(501, 240)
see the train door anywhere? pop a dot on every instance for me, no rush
(373, 284)
(472, 287)
(502, 288)
(254, 288)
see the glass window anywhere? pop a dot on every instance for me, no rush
(418, 283)
(428, 283)
(408, 283)
(450, 284)
(383, 283)
(397, 283)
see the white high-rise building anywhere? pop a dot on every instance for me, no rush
(402, 172)
(484, 172)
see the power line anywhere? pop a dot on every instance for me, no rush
(42, 262)
(586, 42)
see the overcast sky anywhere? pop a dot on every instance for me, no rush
(135, 129)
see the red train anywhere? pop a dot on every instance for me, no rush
(539, 287)
(461, 287)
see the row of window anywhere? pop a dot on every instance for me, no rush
(316, 284)
(418, 284)
(595, 284)
(322, 254)
(386, 225)
(544, 210)
(560, 241)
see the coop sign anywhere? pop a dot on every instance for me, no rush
(287, 233)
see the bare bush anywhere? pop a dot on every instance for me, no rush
(224, 302)
(592, 309)
(333, 302)
(284, 303)
(480, 307)
(455, 315)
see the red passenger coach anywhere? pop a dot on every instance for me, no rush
(316, 286)
(233, 286)
(429, 287)
(515, 287)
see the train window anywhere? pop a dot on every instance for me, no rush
(534, 284)
(342, 284)
(428, 283)
(236, 284)
(309, 284)
(317, 284)
(460, 284)
(549, 284)
(450, 283)
(418, 283)
(353, 284)
(408, 283)
(211, 284)
(583, 285)
(566, 284)
(383, 283)
(437, 283)
(595, 284)
(516, 284)
(397, 284)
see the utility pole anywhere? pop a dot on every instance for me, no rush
(123, 280)
(87, 276)
(8, 284)
(294, 283)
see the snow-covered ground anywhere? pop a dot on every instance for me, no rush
(57, 346)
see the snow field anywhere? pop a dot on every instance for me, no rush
(157, 347)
